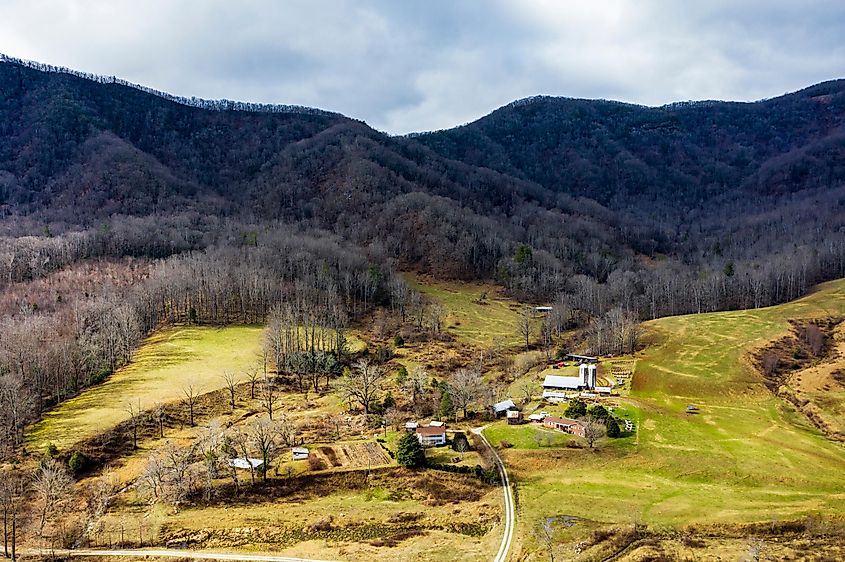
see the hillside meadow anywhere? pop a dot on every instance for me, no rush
(746, 456)
(169, 361)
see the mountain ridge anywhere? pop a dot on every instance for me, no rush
(591, 188)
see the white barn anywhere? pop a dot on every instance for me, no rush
(586, 380)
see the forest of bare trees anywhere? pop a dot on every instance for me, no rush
(307, 287)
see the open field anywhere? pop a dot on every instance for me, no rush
(379, 515)
(167, 362)
(747, 456)
(467, 318)
(525, 436)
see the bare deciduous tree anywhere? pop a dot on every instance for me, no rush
(252, 377)
(467, 386)
(52, 487)
(135, 412)
(209, 443)
(191, 397)
(269, 396)
(526, 390)
(525, 325)
(11, 496)
(160, 416)
(593, 430)
(545, 536)
(231, 383)
(363, 383)
(265, 438)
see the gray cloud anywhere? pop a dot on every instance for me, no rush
(407, 66)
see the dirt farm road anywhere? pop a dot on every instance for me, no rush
(507, 490)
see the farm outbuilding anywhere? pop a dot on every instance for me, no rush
(300, 453)
(246, 463)
(501, 408)
(411, 426)
(514, 417)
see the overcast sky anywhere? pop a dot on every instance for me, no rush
(405, 65)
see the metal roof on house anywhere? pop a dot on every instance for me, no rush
(561, 421)
(431, 431)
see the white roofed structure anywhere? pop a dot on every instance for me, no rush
(565, 383)
(246, 463)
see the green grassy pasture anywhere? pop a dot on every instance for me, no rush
(467, 318)
(746, 456)
(167, 362)
(525, 436)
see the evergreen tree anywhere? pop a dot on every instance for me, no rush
(410, 453)
(613, 427)
(401, 375)
(447, 407)
(576, 409)
(598, 412)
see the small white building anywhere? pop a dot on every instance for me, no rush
(431, 436)
(300, 453)
(435, 423)
(246, 463)
(554, 396)
(501, 408)
(536, 418)
(514, 417)
(411, 426)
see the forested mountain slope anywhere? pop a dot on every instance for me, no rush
(663, 210)
(684, 153)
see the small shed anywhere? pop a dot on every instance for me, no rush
(411, 426)
(514, 417)
(300, 453)
(435, 423)
(246, 463)
(500, 408)
(536, 418)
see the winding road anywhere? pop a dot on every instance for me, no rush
(507, 490)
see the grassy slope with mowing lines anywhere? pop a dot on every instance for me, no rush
(747, 456)
(168, 361)
(468, 320)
